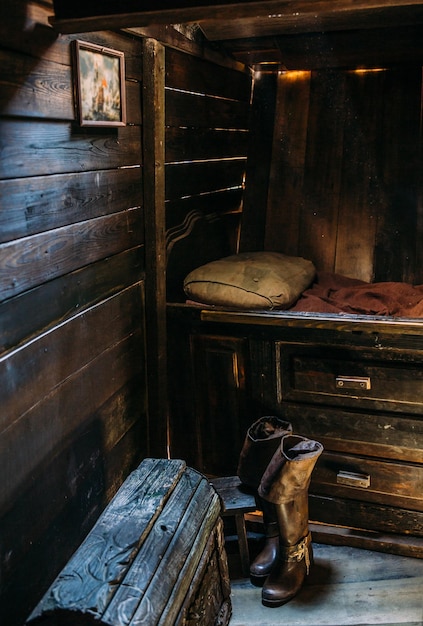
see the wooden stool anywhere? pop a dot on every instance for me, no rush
(236, 502)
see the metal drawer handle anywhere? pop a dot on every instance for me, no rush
(353, 479)
(353, 382)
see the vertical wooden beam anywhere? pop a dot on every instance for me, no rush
(154, 204)
(259, 162)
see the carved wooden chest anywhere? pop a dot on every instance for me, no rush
(155, 556)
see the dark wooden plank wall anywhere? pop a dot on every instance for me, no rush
(345, 184)
(207, 121)
(73, 418)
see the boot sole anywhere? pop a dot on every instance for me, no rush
(275, 603)
(258, 581)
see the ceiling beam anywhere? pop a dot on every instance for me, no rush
(73, 16)
(312, 22)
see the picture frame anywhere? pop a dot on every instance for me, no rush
(99, 85)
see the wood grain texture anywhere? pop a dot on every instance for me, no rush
(258, 163)
(152, 537)
(201, 77)
(349, 208)
(189, 179)
(60, 147)
(285, 195)
(200, 111)
(113, 319)
(29, 208)
(195, 144)
(347, 586)
(67, 295)
(72, 242)
(29, 262)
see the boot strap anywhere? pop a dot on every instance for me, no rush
(298, 552)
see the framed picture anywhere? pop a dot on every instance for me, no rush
(99, 85)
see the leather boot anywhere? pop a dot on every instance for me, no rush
(285, 484)
(262, 565)
(261, 442)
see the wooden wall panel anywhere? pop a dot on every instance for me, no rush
(322, 175)
(345, 188)
(199, 76)
(203, 111)
(398, 237)
(28, 262)
(363, 190)
(74, 417)
(61, 147)
(27, 207)
(285, 194)
(67, 295)
(207, 124)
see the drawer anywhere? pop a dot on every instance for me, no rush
(347, 377)
(383, 435)
(370, 480)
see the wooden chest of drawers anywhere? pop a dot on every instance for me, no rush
(354, 385)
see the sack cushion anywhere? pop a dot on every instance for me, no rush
(251, 280)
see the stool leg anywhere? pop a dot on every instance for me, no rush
(243, 544)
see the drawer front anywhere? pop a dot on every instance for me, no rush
(371, 480)
(350, 377)
(382, 435)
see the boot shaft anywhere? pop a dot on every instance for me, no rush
(289, 472)
(261, 441)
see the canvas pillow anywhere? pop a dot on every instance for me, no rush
(251, 280)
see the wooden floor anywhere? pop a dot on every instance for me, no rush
(346, 587)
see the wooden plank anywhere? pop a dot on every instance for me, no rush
(382, 435)
(118, 533)
(322, 176)
(391, 484)
(30, 33)
(220, 363)
(87, 456)
(199, 76)
(347, 323)
(362, 197)
(397, 233)
(76, 16)
(188, 38)
(28, 207)
(29, 370)
(368, 516)
(158, 547)
(286, 191)
(44, 89)
(226, 201)
(60, 147)
(258, 163)
(189, 179)
(44, 430)
(364, 47)
(195, 144)
(212, 574)
(31, 261)
(402, 545)
(155, 224)
(314, 17)
(94, 474)
(65, 295)
(199, 111)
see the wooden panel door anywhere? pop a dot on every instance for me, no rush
(220, 375)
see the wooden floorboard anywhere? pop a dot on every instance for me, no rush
(346, 587)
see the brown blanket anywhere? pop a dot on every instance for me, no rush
(333, 293)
